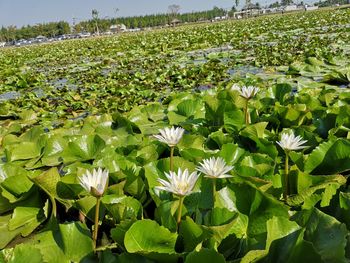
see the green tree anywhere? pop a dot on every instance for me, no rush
(63, 28)
(287, 2)
(94, 14)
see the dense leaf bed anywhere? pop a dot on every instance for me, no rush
(91, 119)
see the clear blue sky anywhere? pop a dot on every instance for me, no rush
(23, 12)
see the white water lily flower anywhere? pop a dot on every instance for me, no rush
(289, 142)
(215, 168)
(94, 182)
(248, 92)
(170, 136)
(180, 183)
(235, 87)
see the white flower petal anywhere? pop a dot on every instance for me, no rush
(291, 143)
(245, 92)
(170, 136)
(215, 168)
(180, 183)
(97, 180)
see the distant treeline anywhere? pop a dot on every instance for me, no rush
(53, 29)
(320, 3)
(331, 3)
(149, 20)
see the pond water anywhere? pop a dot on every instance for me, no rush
(59, 83)
(63, 83)
(105, 71)
(11, 95)
(199, 52)
(39, 92)
(243, 70)
(203, 88)
(80, 117)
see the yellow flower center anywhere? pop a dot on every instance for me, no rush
(183, 186)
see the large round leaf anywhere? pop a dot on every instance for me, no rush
(147, 236)
(205, 256)
(329, 158)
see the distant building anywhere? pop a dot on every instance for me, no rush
(218, 18)
(249, 6)
(117, 28)
(39, 39)
(247, 11)
(175, 22)
(310, 8)
(84, 35)
(269, 10)
(290, 8)
(134, 30)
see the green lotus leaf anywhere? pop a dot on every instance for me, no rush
(175, 119)
(87, 205)
(147, 154)
(7, 235)
(191, 141)
(191, 109)
(24, 253)
(85, 147)
(55, 145)
(195, 155)
(13, 175)
(157, 241)
(218, 139)
(49, 181)
(258, 165)
(279, 227)
(281, 92)
(127, 257)
(165, 213)
(292, 248)
(238, 227)
(118, 233)
(190, 234)
(205, 255)
(259, 206)
(233, 120)
(144, 123)
(154, 111)
(72, 106)
(122, 207)
(327, 234)
(29, 215)
(312, 189)
(330, 157)
(60, 243)
(22, 151)
(231, 153)
(344, 200)
(338, 76)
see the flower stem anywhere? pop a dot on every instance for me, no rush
(246, 112)
(54, 206)
(172, 159)
(179, 211)
(97, 212)
(286, 177)
(214, 190)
